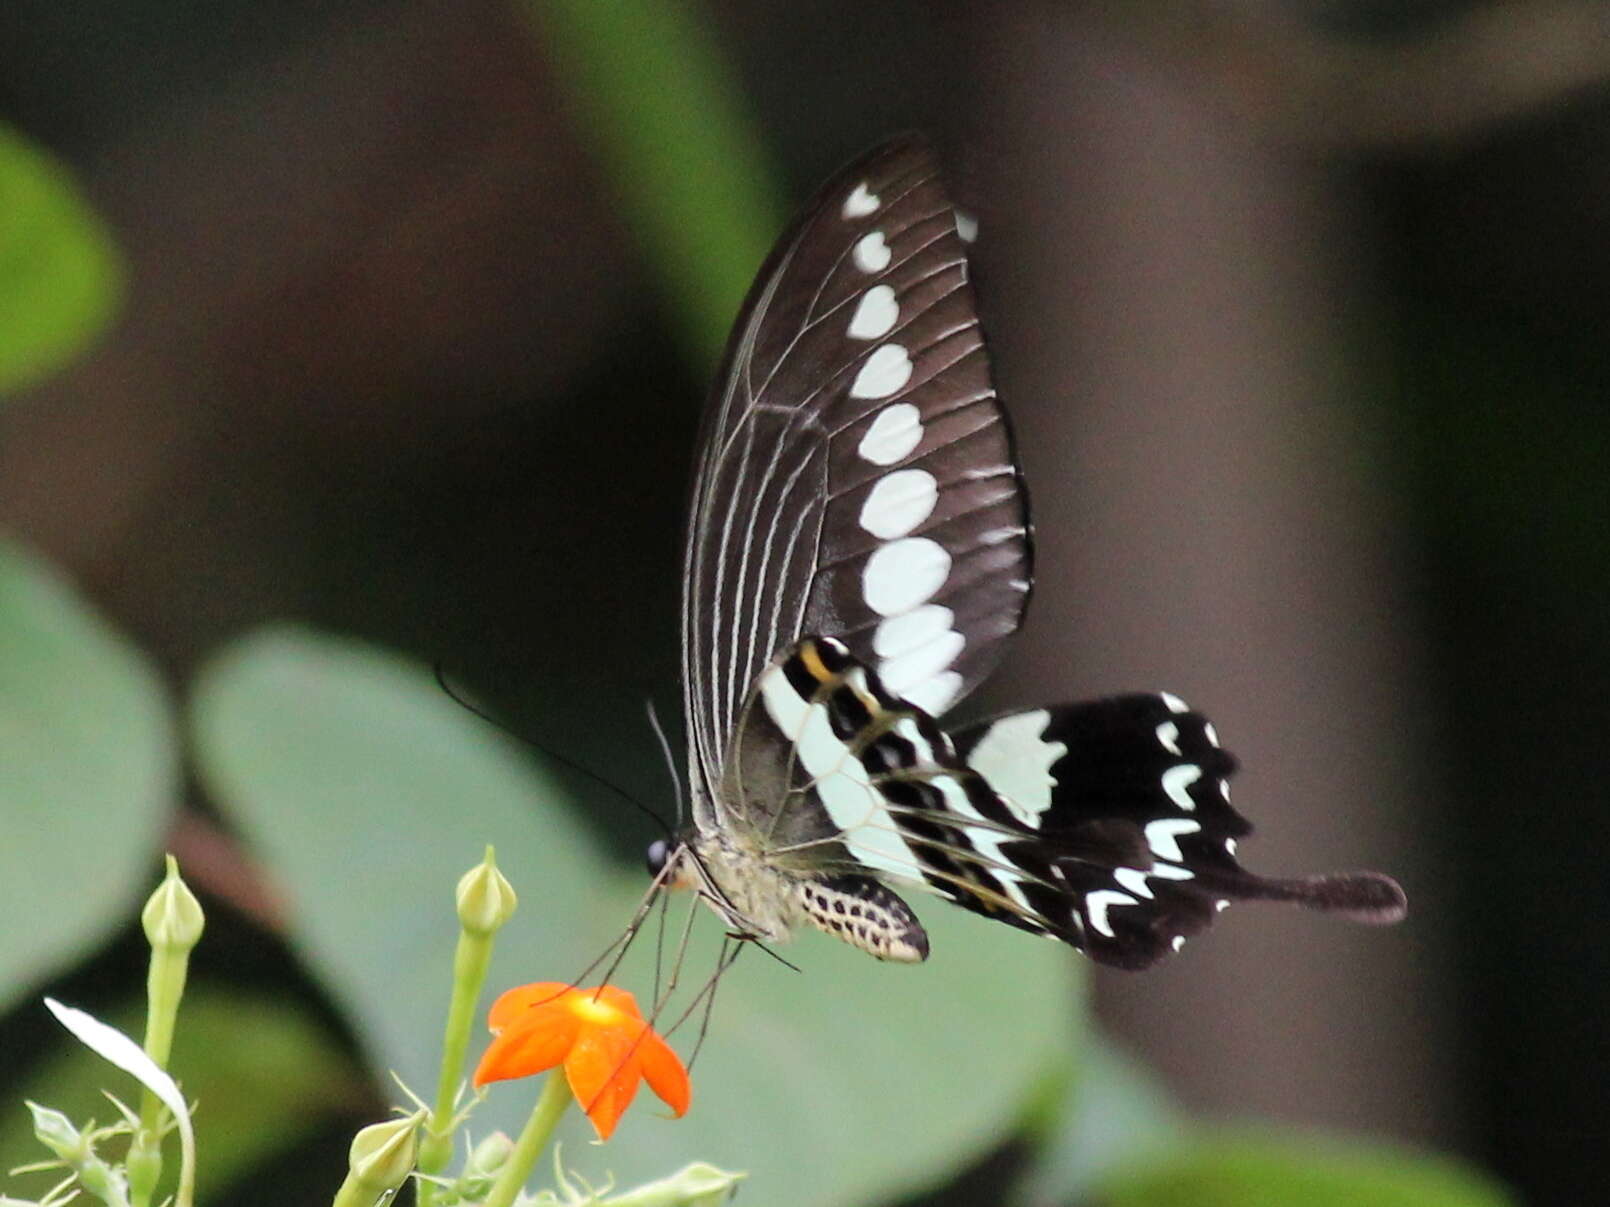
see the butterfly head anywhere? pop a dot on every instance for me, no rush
(657, 856)
(672, 864)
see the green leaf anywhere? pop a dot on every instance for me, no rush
(87, 744)
(1250, 1170)
(688, 169)
(60, 275)
(368, 792)
(263, 1073)
(1112, 1114)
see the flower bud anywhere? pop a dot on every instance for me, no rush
(697, 1185)
(56, 1132)
(172, 916)
(488, 1156)
(486, 899)
(77, 1151)
(382, 1155)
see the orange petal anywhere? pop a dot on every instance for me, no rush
(518, 1000)
(603, 1073)
(534, 1041)
(663, 1070)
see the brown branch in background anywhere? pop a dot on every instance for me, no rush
(1462, 76)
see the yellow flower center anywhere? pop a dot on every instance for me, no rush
(596, 1011)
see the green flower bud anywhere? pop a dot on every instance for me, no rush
(486, 899)
(56, 1132)
(697, 1185)
(488, 1156)
(382, 1156)
(172, 916)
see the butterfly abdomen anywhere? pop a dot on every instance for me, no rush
(866, 915)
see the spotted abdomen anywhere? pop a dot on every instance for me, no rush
(865, 914)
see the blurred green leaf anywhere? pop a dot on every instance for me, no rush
(87, 744)
(263, 1073)
(60, 275)
(368, 792)
(1249, 1170)
(1112, 1114)
(688, 171)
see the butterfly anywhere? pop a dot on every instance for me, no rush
(859, 550)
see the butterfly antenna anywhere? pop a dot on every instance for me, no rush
(665, 752)
(563, 760)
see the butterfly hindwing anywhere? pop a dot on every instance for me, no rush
(1105, 824)
(1146, 766)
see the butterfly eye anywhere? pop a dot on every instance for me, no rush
(658, 851)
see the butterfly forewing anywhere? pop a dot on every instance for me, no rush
(856, 473)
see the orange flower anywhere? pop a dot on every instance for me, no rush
(606, 1047)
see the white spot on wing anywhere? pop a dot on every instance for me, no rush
(1173, 702)
(893, 434)
(1134, 880)
(1229, 846)
(1178, 942)
(899, 502)
(885, 372)
(1099, 902)
(902, 674)
(966, 226)
(875, 314)
(871, 253)
(898, 634)
(1168, 871)
(904, 573)
(935, 695)
(1211, 734)
(1163, 836)
(861, 202)
(1017, 762)
(1221, 906)
(1168, 735)
(1177, 779)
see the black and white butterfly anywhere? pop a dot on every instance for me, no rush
(858, 551)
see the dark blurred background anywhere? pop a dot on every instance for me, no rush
(1300, 311)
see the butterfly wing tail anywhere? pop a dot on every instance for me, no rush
(1366, 897)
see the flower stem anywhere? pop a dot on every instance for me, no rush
(556, 1096)
(469, 975)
